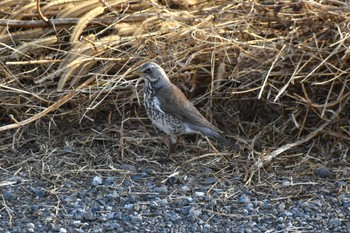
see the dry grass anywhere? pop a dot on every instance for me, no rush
(273, 75)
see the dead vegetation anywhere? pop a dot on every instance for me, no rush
(275, 75)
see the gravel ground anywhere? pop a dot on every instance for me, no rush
(140, 199)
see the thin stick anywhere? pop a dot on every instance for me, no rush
(268, 157)
(54, 106)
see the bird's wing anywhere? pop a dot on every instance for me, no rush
(174, 102)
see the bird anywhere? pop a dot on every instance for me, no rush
(170, 110)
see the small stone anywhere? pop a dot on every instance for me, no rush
(163, 202)
(76, 223)
(244, 199)
(245, 212)
(77, 230)
(185, 188)
(281, 206)
(109, 180)
(88, 216)
(128, 206)
(97, 180)
(199, 194)
(8, 196)
(135, 177)
(135, 218)
(248, 230)
(128, 167)
(36, 192)
(209, 180)
(62, 230)
(67, 149)
(219, 191)
(322, 172)
(30, 227)
(288, 213)
(266, 204)
(194, 213)
(111, 226)
(113, 195)
(249, 206)
(132, 198)
(206, 227)
(185, 210)
(162, 190)
(168, 217)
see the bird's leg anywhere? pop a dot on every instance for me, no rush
(172, 144)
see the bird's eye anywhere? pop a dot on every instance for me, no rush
(147, 71)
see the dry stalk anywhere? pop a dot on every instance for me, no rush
(271, 75)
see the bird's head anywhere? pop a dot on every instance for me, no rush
(154, 74)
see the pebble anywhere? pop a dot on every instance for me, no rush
(185, 188)
(288, 213)
(62, 230)
(77, 230)
(199, 194)
(76, 223)
(128, 167)
(132, 198)
(322, 172)
(8, 195)
(109, 180)
(38, 193)
(136, 178)
(30, 227)
(281, 206)
(135, 218)
(194, 213)
(111, 226)
(129, 206)
(249, 206)
(209, 180)
(67, 149)
(113, 195)
(162, 190)
(88, 216)
(163, 202)
(244, 199)
(170, 216)
(245, 212)
(206, 227)
(97, 180)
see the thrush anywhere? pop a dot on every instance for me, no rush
(170, 110)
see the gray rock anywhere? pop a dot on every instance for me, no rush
(129, 206)
(88, 216)
(194, 213)
(185, 188)
(97, 180)
(128, 167)
(322, 172)
(209, 180)
(161, 190)
(135, 218)
(111, 226)
(281, 206)
(244, 198)
(109, 180)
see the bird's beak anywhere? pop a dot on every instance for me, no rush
(138, 72)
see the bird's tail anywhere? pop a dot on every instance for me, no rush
(216, 135)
